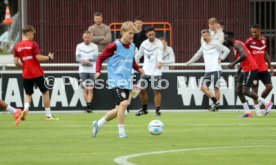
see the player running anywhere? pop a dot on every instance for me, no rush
(257, 44)
(247, 74)
(211, 51)
(27, 56)
(120, 61)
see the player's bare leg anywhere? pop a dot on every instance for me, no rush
(144, 102)
(210, 95)
(121, 118)
(28, 100)
(157, 101)
(15, 112)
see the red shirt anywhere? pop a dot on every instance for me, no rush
(248, 64)
(258, 49)
(27, 50)
(108, 52)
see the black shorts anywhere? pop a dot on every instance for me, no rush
(120, 94)
(29, 84)
(248, 78)
(264, 77)
(211, 77)
(152, 81)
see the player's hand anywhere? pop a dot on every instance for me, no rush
(231, 66)
(271, 71)
(158, 65)
(51, 56)
(141, 70)
(219, 60)
(97, 75)
(85, 61)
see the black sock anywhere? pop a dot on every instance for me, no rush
(89, 105)
(157, 109)
(145, 107)
(214, 100)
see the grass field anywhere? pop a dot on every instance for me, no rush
(194, 138)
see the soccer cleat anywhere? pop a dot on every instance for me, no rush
(17, 116)
(268, 108)
(247, 114)
(214, 107)
(157, 113)
(24, 114)
(123, 135)
(89, 110)
(141, 112)
(95, 128)
(48, 118)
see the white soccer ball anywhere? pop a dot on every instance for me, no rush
(156, 127)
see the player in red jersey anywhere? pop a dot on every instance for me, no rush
(27, 56)
(247, 74)
(257, 45)
(16, 112)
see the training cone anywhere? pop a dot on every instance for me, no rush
(8, 19)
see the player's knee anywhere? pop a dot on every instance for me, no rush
(269, 87)
(124, 103)
(238, 90)
(202, 88)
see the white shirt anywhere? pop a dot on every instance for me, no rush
(211, 53)
(167, 58)
(89, 52)
(152, 52)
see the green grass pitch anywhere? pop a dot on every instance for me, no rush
(69, 142)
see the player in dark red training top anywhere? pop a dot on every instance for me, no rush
(247, 74)
(257, 45)
(28, 57)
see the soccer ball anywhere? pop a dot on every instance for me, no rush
(156, 127)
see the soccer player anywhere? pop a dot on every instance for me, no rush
(86, 55)
(27, 56)
(16, 112)
(120, 61)
(168, 55)
(211, 51)
(247, 74)
(152, 50)
(257, 44)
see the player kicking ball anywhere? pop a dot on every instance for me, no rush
(247, 74)
(120, 61)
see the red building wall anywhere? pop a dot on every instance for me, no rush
(60, 23)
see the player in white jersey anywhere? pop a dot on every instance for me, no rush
(211, 52)
(168, 55)
(86, 55)
(152, 50)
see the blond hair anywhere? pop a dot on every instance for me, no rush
(212, 20)
(128, 26)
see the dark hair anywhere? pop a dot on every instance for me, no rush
(98, 14)
(139, 18)
(28, 28)
(149, 28)
(220, 22)
(256, 26)
(205, 31)
(86, 32)
(230, 34)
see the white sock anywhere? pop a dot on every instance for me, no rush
(48, 112)
(26, 106)
(257, 108)
(262, 100)
(11, 109)
(101, 122)
(121, 128)
(245, 107)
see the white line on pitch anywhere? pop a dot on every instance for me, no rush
(123, 160)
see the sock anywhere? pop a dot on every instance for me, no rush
(101, 122)
(11, 109)
(26, 106)
(245, 107)
(257, 108)
(121, 128)
(145, 107)
(48, 112)
(262, 100)
(214, 100)
(157, 109)
(89, 105)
